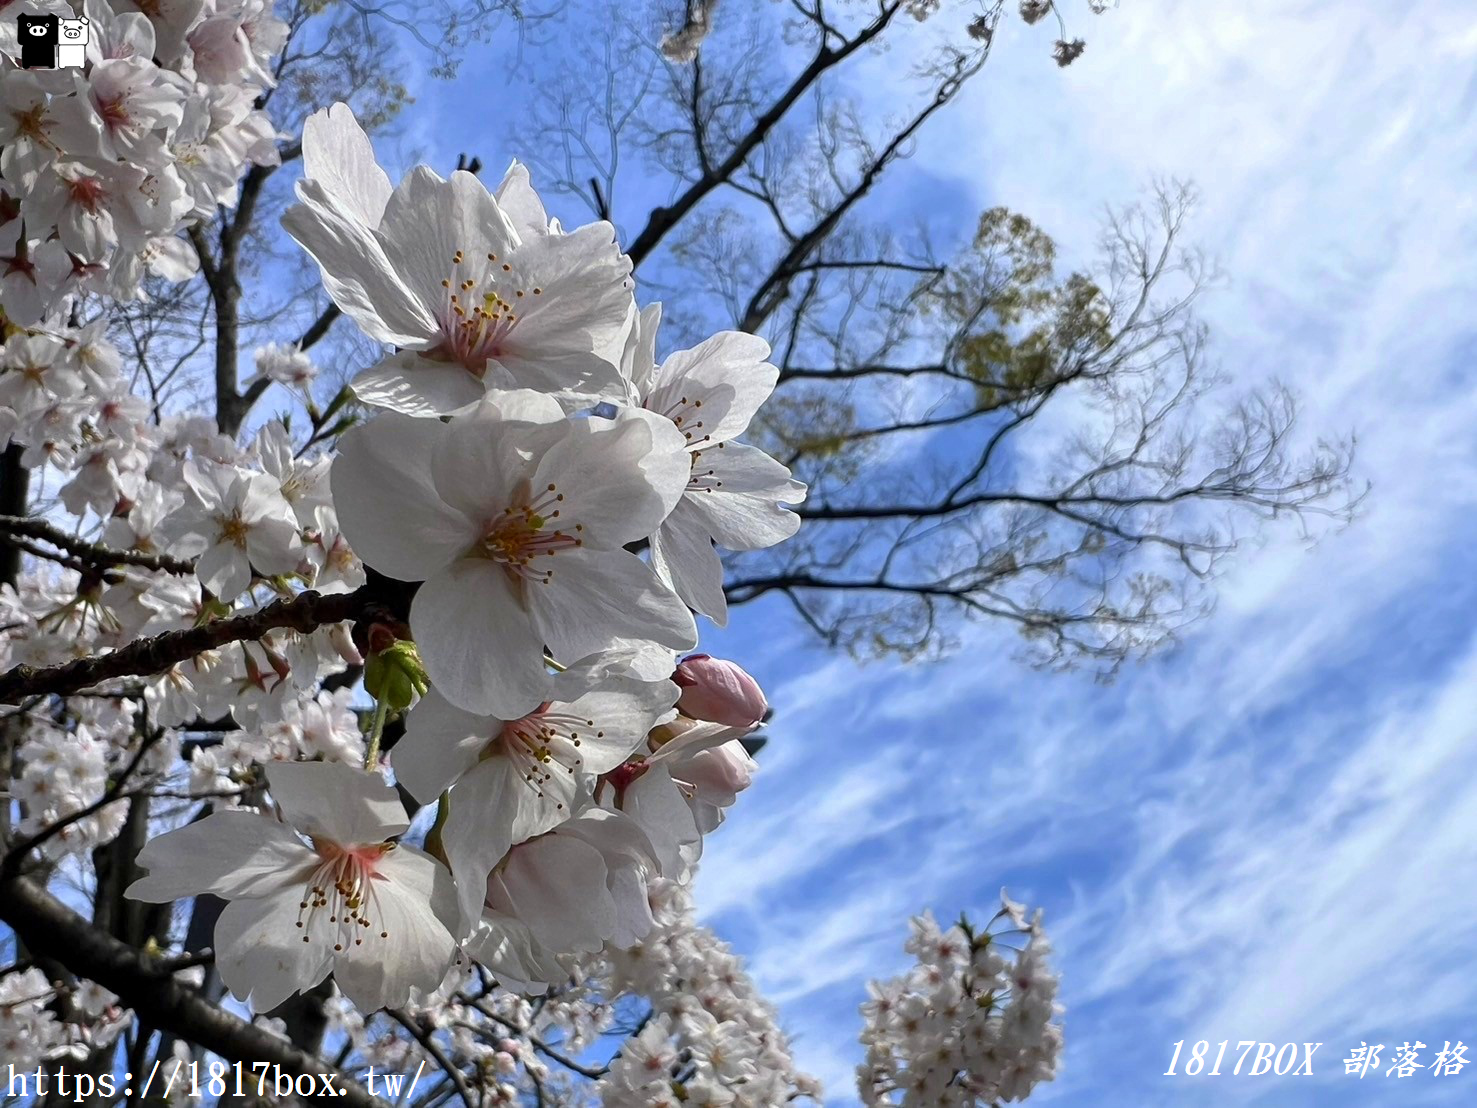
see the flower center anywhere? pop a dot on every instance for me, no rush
(479, 312)
(114, 111)
(86, 192)
(543, 743)
(234, 530)
(702, 478)
(684, 413)
(343, 886)
(519, 535)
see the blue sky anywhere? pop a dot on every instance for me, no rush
(1270, 833)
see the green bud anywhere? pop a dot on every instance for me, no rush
(395, 676)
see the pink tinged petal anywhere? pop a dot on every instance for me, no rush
(557, 886)
(357, 274)
(683, 555)
(477, 642)
(260, 953)
(719, 691)
(693, 740)
(388, 507)
(618, 478)
(230, 854)
(720, 773)
(441, 743)
(336, 801)
(595, 597)
(414, 904)
(417, 385)
(338, 155)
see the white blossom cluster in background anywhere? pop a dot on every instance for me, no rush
(710, 1038)
(557, 498)
(102, 165)
(973, 1023)
(31, 1033)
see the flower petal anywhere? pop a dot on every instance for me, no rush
(356, 272)
(388, 507)
(338, 155)
(415, 905)
(570, 337)
(230, 854)
(337, 801)
(416, 385)
(683, 555)
(557, 886)
(596, 597)
(477, 642)
(441, 743)
(485, 806)
(429, 219)
(728, 371)
(260, 952)
(619, 478)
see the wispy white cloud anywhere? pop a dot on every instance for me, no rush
(1263, 835)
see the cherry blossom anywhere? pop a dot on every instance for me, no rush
(516, 518)
(438, 269)
(735, 493)
(514, 779)
(237, 524)
(327, 890)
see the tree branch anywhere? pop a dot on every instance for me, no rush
(304, 612)
(49, 928)
(90, 552)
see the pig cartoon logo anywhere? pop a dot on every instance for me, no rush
(71, 51)
(39, 36)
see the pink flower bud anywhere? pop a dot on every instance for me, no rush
(720, 774)
(719, 691)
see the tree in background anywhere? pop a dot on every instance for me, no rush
(189, 627)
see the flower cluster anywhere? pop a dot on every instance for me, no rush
(31, 1033)
(535, 506)
(527, 439)
(103, 164)
(711, 1038)
(971, 1024)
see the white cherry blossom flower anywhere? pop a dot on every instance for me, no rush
(735, 493)
(516, 518)
(325, 891)
(437, 268)
(236, 523)
(574, 889)
(285, 364)
(33, 274)
(513, 779)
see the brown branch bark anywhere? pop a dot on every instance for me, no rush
(50, 929)
(305, 612)
(91, 553)
(663, 219)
